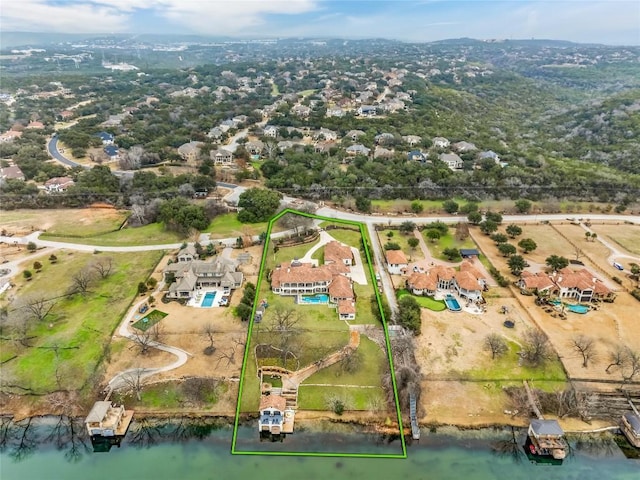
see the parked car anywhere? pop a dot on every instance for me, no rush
(144, 308)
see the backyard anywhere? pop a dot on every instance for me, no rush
(315, 333)
(424, 302)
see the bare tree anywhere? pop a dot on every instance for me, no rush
(81, 282)
(585, 346)
(104, 267)
(631, 365)
(208, 331)
(145, 339)
(230, 355)
(133, 380)
(496, 344)
(284, 330)
(578, 253)
(536, 348)
(616, 357)
(38, 306)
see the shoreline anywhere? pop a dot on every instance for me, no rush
(313, 419)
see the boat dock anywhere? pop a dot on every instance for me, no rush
(415, 429)
(289, 419)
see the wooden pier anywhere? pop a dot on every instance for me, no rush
(415, 429)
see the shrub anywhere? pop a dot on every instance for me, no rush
(502, 281)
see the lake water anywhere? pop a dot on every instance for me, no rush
(186, 450)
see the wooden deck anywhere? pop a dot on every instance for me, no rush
(125, 422)
(289, 419)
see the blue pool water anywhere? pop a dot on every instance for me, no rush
(318, 298)
(572, 308)
(578, 308)
(208, 299)
(452, 304)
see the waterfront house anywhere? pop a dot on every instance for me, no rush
(271, 418)
(630, 426)
(547, 439)
(108, 420)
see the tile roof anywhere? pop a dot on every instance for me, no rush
(467, 281)
(336, 252)
(341, 287)
(422, 281)
(346, 307)
(396, 257)
(273, 401)
(302, 273)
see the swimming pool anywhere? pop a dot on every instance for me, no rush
(208, 299)
(452, 303)
(578, 308)
(317, 299)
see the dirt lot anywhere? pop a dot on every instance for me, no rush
(24, 222)
(452, 342)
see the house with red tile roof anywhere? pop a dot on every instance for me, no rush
(468, 282)
(580, 285)
(297, 278)
(396, 262)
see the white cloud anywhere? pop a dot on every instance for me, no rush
(228, 18)
(39, 16)
(189, 16)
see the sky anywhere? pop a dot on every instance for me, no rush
(615, 22)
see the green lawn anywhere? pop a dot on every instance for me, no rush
(425, 302)
(372, 365)
(306, 93)
(286, 254)
(348, 237)
(63, 223)
(364, 315)
(73, 337)
(507, 368)
(447, 241)
(275, 91)
(319, 255)
(153, 317)
(401, 239)
(152, 234)
(228, 226)
(315, 398)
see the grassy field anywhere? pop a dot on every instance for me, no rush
(355, 398)
(413, 254)
(82, 222)
(425, 302)
(349, 237)
(228, 226)
(286, 254)
(275, 91)
(372, 365)
(626, 236)
(447, 241)
(507, 368)
(71, 340)
(152, 234)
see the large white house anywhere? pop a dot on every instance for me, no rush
(188, 275)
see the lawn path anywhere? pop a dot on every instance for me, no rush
(120, 380)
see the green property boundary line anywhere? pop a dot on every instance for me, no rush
(365, 239)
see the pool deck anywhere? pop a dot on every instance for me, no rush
(199, 298)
